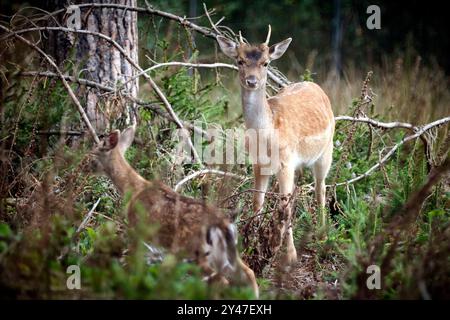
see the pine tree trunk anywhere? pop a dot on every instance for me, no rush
(89, 57)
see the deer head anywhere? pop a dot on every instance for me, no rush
(253, 60)
(111, 148)
(108, 158)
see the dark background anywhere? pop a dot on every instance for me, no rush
(407, 27)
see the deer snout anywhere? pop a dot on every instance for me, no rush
(251, 81)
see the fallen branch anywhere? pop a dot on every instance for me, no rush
(378, 124)
(391, 125)
(419, 132)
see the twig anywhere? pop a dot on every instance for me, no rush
(213, 25)
(88, 216)
(61, 76)
(384, 125)
(182, 64)
(203, 172)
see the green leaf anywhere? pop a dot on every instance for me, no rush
(3, 246)
(91, 233)
(436, 213)
(5, 230)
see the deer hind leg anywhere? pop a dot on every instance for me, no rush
(286, 178)
(261, 184)
(320, 172)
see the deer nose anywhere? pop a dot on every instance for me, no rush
(251, 81)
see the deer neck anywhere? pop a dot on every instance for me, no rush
(124, 177)
(257, 113)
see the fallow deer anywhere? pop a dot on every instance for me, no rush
(300, 115)
(186, 227)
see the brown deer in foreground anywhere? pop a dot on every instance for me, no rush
(187, 227)
(300, 115)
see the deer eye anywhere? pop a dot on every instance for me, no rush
(241, 62)
(265, 64)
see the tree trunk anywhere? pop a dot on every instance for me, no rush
(337, 39)
(90, 57)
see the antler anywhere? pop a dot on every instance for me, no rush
(240, 37)
(268, 35)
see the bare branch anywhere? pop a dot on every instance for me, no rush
(193, 65)
(182, 64)
(384, 125)
(420, 131)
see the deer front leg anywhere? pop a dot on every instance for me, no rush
(286, 181)
(261, 184)
(320, 172)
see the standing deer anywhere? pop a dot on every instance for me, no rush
(300, 115)
(185, 226)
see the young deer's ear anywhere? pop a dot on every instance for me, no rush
(227, 46)
(232, 234)
(126, 139)
(278, 49)
(111, 140)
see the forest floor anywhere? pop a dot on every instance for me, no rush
(308, 278)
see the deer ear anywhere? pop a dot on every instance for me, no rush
(278, 49)
(228, 47)
(232, 234)
(111, 141)
(126, 139)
